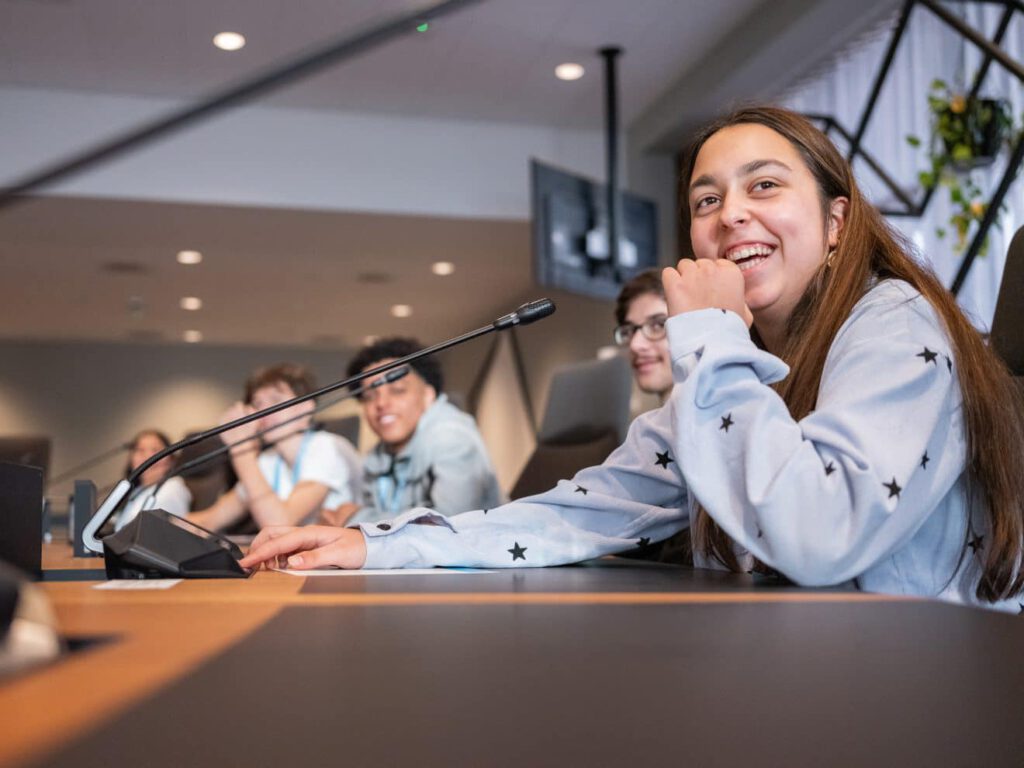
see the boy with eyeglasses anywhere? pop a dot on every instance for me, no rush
(430, 453)
(640, 311)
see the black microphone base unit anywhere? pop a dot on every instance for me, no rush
(158, 545)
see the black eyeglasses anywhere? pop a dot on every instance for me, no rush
(653, 329)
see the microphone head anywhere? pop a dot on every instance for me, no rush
(527, 313)
(535, 310)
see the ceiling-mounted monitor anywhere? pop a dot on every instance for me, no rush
(570, 235)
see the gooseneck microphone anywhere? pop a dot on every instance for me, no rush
(524, 315)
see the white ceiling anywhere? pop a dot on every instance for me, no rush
(298, 271)
(492, 60)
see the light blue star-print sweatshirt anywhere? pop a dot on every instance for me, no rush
(869, 489)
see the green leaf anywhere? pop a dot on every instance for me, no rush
(913, 141)
(962, 152)
(926, 179)
(940, 233)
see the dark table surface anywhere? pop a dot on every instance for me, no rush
(817, 678)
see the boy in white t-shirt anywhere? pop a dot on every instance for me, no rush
(299, 470)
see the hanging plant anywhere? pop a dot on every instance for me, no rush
(966, 133)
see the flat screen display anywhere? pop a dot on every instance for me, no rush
(570, 236)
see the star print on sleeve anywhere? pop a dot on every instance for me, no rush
(664, 459)
(949, 363)
(830, 468)
(894, 488)
(929, 356)
(727, 422)
(975, 543)
(643, 541)
(518, 553)
(580, 489)
(924, 460)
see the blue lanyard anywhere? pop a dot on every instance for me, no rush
(397, 489)
(295, 469)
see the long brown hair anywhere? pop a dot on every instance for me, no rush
(992, 405)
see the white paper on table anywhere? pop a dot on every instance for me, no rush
(384, 572)
(138, 584)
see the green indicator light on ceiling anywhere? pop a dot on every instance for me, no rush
(423, 27)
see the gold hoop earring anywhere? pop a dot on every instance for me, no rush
(830, 256)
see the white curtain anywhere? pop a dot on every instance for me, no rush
(929, 49)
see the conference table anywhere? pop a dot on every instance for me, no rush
(613, 662)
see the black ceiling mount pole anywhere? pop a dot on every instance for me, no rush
(315, 60)
(613, 200)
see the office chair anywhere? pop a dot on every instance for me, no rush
(1007, 337)
(207, 481)
(586, 418)
(346, 426)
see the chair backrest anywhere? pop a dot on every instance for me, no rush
(550, 463)
(586, 417)
(1007, 336)
(209, 480)
(586, 401)
(346, 426)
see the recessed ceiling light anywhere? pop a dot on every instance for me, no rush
(191, 303)
(442, 268)
(374, 278)
(192, 337)
(124, 267)
(370, 340)
(229, 41)
(401, 310)
(189, 257)
(569, 71)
